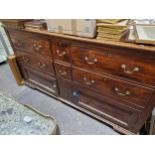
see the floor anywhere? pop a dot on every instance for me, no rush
(70, 120)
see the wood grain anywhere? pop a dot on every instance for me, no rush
(112, 81)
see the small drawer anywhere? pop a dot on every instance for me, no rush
(32, 43)
(135, 94)
(39, 64)
(108, 108)
(61, 52)
(136, 66)
(63, 71)
(39, 79)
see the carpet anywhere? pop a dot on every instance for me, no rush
(17, 119)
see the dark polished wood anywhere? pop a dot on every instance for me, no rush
(61, 52)
(114, 87)
(44, 81)
(63, 71)
(31, 43)
(106, 107)
(35, 62)
(120, 62)
(111, 81)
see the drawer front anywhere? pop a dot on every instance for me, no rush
(43, 81)
(121, 89)
(105, 107)
(139, 67)
(61, 52)
(31, 43)
(38, 63)
(63, 71)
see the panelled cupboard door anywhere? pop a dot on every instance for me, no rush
(39, 79)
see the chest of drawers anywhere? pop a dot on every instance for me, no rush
(111, 81)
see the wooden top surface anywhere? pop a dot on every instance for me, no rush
(104, 42)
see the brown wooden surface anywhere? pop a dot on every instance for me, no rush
(106, 107)
(102, 42)
(120, 62)
(114, 87)
(63, 71)
(111, 81)
(11, 60)
(37, 78)
(35, 62)
(31, 43)
(61, 53)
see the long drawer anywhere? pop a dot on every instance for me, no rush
(35, 62)
(129, 92)
(29, 42)
(39, 79)
(126, 64)
(105, 107)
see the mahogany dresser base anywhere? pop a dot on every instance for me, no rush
(113, 82)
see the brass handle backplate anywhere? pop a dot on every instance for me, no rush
(90, 62)
(126, 93)
(88, 82)
(37, 47)
(25, 59)
(61, 54)
(127, 70)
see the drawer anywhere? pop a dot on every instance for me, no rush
(42, 81)
(63, 71)
(61, 52)
(123, 90)
(37, 63)
(127, 64)
(105, 107)
(31, 43)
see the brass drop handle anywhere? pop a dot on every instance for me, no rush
(25, 59)
(62, 72)
(19, 43)
(127, 70)
(61, 54)
(37, 47)
(90, 62)
(41, 65)
(89, 83)
(126, 93)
